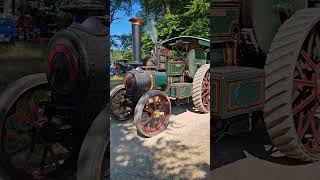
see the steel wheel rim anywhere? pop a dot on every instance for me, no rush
(105, 169)
(120, 106)
(155, 116)
(306, 93)
(205, 93)
(27, 170)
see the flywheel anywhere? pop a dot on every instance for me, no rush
(292, 94)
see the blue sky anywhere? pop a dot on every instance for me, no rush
(122, 25)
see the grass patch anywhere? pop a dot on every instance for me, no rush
(18, 60)
(115, 81)
(21, 51)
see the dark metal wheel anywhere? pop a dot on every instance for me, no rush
(121, 106)
(293, 87)
(94, 156)
(201, 89)
(27, 150)
(152, 113)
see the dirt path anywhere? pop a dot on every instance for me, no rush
(246, 157)
(181, 151)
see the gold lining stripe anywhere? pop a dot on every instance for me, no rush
(151, 80)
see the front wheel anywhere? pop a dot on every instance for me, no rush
(28, 150)
(94, 155)
(151, 115)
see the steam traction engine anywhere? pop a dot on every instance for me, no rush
(44, 118)
(266, 60)
(146, 95)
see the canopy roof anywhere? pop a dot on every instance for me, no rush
(184, 43)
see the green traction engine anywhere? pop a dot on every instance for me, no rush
(265, 58)
(147, 91)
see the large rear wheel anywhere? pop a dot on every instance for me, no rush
(201, 89)
(292, 96)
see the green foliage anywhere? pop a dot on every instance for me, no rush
(122, 42)
(42, 5)
(190, 20)
(147, 47)
(121, 55)
(174, 18)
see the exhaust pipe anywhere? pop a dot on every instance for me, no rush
(136, 41)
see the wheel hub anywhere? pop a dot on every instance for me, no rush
(157, 114)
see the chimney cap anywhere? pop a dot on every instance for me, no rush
(137, 21)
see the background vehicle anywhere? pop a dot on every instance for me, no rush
(8, 30)
(265, 57)
(112, 70)
(48, 119)
(147, 92)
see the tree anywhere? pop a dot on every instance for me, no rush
(173, 17)
(191, 20)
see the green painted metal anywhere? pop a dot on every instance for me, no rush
(175, 68)
(180, 43)
(180, 90)
(176, 79)
(217, 55)
(160, 79)
(265, 18)
(214, 96)
(225, 22)
(241, 90)
(195, 58)
(205, 43)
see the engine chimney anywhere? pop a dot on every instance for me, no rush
(136, 41)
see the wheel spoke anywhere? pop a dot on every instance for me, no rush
(300, 126)
(310, 44)
(304, 103)
(206, 93)
(154, 103)
(315, 130)
(304, 83)
(147, 110)
(296, 94)
(309, 61)
(33, 108)
(306, 126)
(302, 75)
(23, 117)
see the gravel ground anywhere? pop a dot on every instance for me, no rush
(182, 151)
(246, 157)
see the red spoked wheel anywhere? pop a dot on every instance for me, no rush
(121, 106)
(306, 93)
(152, 113)
(25, 150)
(292, 103)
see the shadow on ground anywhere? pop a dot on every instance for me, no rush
(256, 143)
(172, 154)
